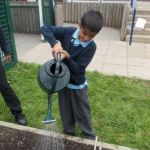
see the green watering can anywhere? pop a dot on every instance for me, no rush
(53, 76)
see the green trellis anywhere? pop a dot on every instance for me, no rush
(6, 24)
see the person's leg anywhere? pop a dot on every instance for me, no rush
(66, 113)
(82, 113)
(9, 95)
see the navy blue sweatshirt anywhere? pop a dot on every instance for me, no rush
(3, 43)
(80, 57)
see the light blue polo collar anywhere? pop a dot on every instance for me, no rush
(77, 42)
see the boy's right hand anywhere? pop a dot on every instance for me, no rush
(56, 49)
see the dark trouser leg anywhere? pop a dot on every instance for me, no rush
(8, 94)
(74, 107)
(81, 108)
(66, 111)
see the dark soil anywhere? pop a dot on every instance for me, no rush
(13, 139)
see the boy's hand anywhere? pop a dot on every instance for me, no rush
(64, 54)
(7, 58)
(56, 48)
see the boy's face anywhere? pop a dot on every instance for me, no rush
(85, 34)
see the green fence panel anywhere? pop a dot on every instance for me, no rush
(48, 12)
(6, 24)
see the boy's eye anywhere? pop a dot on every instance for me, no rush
(84, 33)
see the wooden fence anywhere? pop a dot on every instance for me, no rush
(25, 16)
(112, 12)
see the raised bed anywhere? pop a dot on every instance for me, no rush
(16, 137)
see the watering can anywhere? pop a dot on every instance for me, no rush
(53, 76)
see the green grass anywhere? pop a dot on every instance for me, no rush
(120, 106)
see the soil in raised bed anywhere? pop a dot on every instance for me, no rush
(13, 139)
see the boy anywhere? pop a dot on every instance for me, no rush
(8, 94)
(77, 50)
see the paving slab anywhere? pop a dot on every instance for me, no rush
(39, 54)
(25, 42)
(115, 69)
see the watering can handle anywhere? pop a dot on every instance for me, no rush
(58, 61)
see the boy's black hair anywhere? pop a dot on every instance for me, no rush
(92, 20)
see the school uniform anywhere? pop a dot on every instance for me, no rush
(73, 100)
(8, 94)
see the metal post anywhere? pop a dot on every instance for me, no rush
(133, 19)
(41, 16)
(132, 27)
(40, 12)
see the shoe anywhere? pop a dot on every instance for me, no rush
(89, 135)
(20, 118)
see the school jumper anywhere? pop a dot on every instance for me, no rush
(73, 100)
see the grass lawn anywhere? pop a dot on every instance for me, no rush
(120, 106)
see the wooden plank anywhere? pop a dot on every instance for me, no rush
(19, 20)
(13, 12)
(81, 11)
(121, 14)
(76, 12)
(110, 15)
(73, 14)
(37, 21)
(69, 12)
(25, 22)
(113, 15)
(34, 19)
(66, 12)
(118, 14)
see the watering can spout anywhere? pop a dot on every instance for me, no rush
(49, 120)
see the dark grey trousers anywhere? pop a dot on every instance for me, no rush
(74, 108)
(8, 94)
